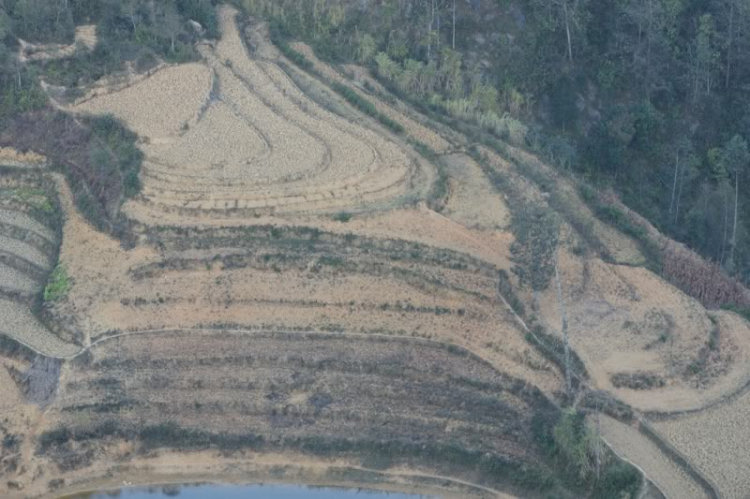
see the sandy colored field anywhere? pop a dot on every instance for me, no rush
(27, 245)
(245, 138)
(267, 383)
(14, 280)
(24, 250)
(12, 157)
(289, 240)
(472, 201)
(628, 320)
(17, 322)
(622, 248)
(669, 477)
(159, 106)
(716, 441)
(172, 470)
(221, 276)
(24, 221)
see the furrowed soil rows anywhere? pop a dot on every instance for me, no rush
(17, 321)
(12, 280)
(241, 138)
(295, 269)
(472, 201)
(295, 390)
(159, 106)
(28, 248)
(25, 251)
(626, 320)
(716, 441)
(11, 157)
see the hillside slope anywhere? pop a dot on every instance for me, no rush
(308, 281)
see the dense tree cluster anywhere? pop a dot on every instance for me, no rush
(650, 96)
(139, 31)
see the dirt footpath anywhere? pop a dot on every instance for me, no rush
(635, 447)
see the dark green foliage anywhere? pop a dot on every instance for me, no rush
(364, 105)
(439, 191)
(15, 350)
(342, 216)
(20, 91)
(638, 380)
(635, 105)
(122, 155)
(41, 21)
(201, 11)
(134, 31)
(743, 311)
(537, 232)
(506, 289)
(53, 438)
(567, 442)
(278, 37)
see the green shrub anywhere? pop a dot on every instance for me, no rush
(342, 216)
(367, 107)
(58, 285)
(278, 39)
(15, 350)
(355, 99)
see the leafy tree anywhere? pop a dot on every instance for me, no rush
(705, 56)
(736, 159)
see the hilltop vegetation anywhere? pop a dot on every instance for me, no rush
(648, 97)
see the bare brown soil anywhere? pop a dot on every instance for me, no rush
(626, 320)
(28, 248)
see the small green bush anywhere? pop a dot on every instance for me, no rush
(342, 216)
(58, 285)
(367, 107)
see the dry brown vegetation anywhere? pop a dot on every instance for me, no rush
(703, 280)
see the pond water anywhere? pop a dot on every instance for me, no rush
(244, 492)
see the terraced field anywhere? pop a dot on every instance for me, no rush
(296, 270)
(383, 401)
(292, 278)
(29, 241)
(715, 440)
(246, 140)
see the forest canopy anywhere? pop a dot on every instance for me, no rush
(650, 97)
